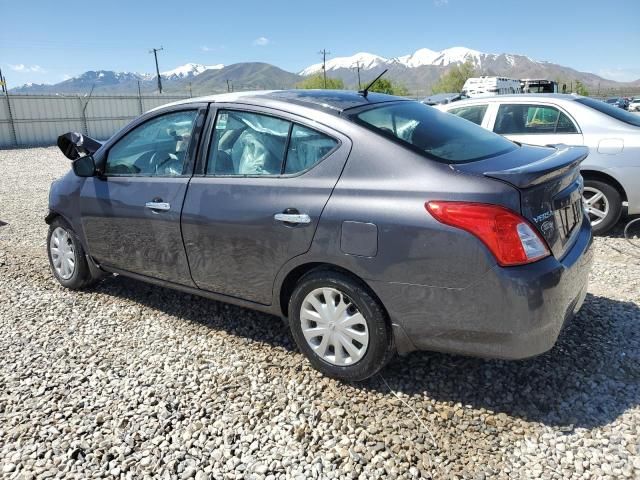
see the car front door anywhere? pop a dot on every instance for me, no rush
(536, 124)
(131, 211)
(264, 182)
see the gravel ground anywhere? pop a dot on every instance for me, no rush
(136, 381)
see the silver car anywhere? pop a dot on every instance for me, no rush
(611, 171)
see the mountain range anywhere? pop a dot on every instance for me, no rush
(417, 71)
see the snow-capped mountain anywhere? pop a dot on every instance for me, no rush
(367, 61)
(189, 70)
(419, 58)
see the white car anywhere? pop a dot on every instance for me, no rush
(612, 169)
(634, 105)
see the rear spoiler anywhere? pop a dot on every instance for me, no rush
(75, 145)
(559, 163)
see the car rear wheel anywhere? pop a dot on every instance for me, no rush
(66, 257)
(603, 205)
(340, 326)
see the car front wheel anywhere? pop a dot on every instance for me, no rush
(340, 326)
(603, 205)
(66, 257)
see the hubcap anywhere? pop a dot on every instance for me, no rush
(63, 255)
(596, 205)
(334, 327)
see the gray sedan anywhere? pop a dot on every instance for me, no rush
(372, 224)
(612, 170)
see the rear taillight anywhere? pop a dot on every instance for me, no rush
(510, 237)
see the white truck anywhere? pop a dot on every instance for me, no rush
(480, 86)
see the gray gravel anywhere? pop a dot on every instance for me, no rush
(134, 381)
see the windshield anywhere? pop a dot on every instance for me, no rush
(438, 135)
(608, 109)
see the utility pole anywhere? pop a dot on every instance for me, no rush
(228, 85)
(190, 91)
(3, 82)
(358, 69)
(324, 54)
(155, 54)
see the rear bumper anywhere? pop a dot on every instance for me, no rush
(511, 313)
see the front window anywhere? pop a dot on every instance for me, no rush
(158, 147)
(615, 112)
(433, 133)
(521, 119)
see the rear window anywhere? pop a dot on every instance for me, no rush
(610, 110)
(473, 113)
(435, 134)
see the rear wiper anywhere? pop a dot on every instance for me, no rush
(364, 92)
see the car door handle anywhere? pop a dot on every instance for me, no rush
(164, 206)
(293, 218)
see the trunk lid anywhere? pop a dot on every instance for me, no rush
(550, 186)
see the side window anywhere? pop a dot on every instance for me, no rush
(158, 147)
(565, 125)
(306, 148)
(246, 143)
(532, 119)
(473, 113)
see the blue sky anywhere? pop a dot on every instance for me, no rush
(47, 41)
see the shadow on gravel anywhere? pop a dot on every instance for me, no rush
(588, 379)
(235, 320)
(618, 230)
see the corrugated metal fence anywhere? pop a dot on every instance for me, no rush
(29, 120)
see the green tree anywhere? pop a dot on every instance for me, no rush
(317, 81)
(581, 89)
(384, 85)
(453, 80)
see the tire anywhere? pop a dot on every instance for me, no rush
(610, 203)
(351, 298)
(79, 276)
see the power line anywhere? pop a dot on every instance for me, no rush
(324, 54)
(155, 54)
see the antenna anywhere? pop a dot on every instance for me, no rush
(364, 92)
(155, 54)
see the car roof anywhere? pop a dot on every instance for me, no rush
(518, 97)
(331, 101)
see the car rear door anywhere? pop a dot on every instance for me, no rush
(536, 124)
(131, 212)
(263, 180)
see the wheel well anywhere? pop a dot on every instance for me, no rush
(603, 177)
(292, 278)
(51, 216)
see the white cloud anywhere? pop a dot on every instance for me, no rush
(440, 3)
(204, 48)
(261, 42)
(620, 74)
(21, 67)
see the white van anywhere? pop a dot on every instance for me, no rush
(479, 86)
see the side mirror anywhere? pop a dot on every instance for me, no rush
(84, 166)
(74, 145)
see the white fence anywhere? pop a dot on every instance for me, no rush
(30, 120)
